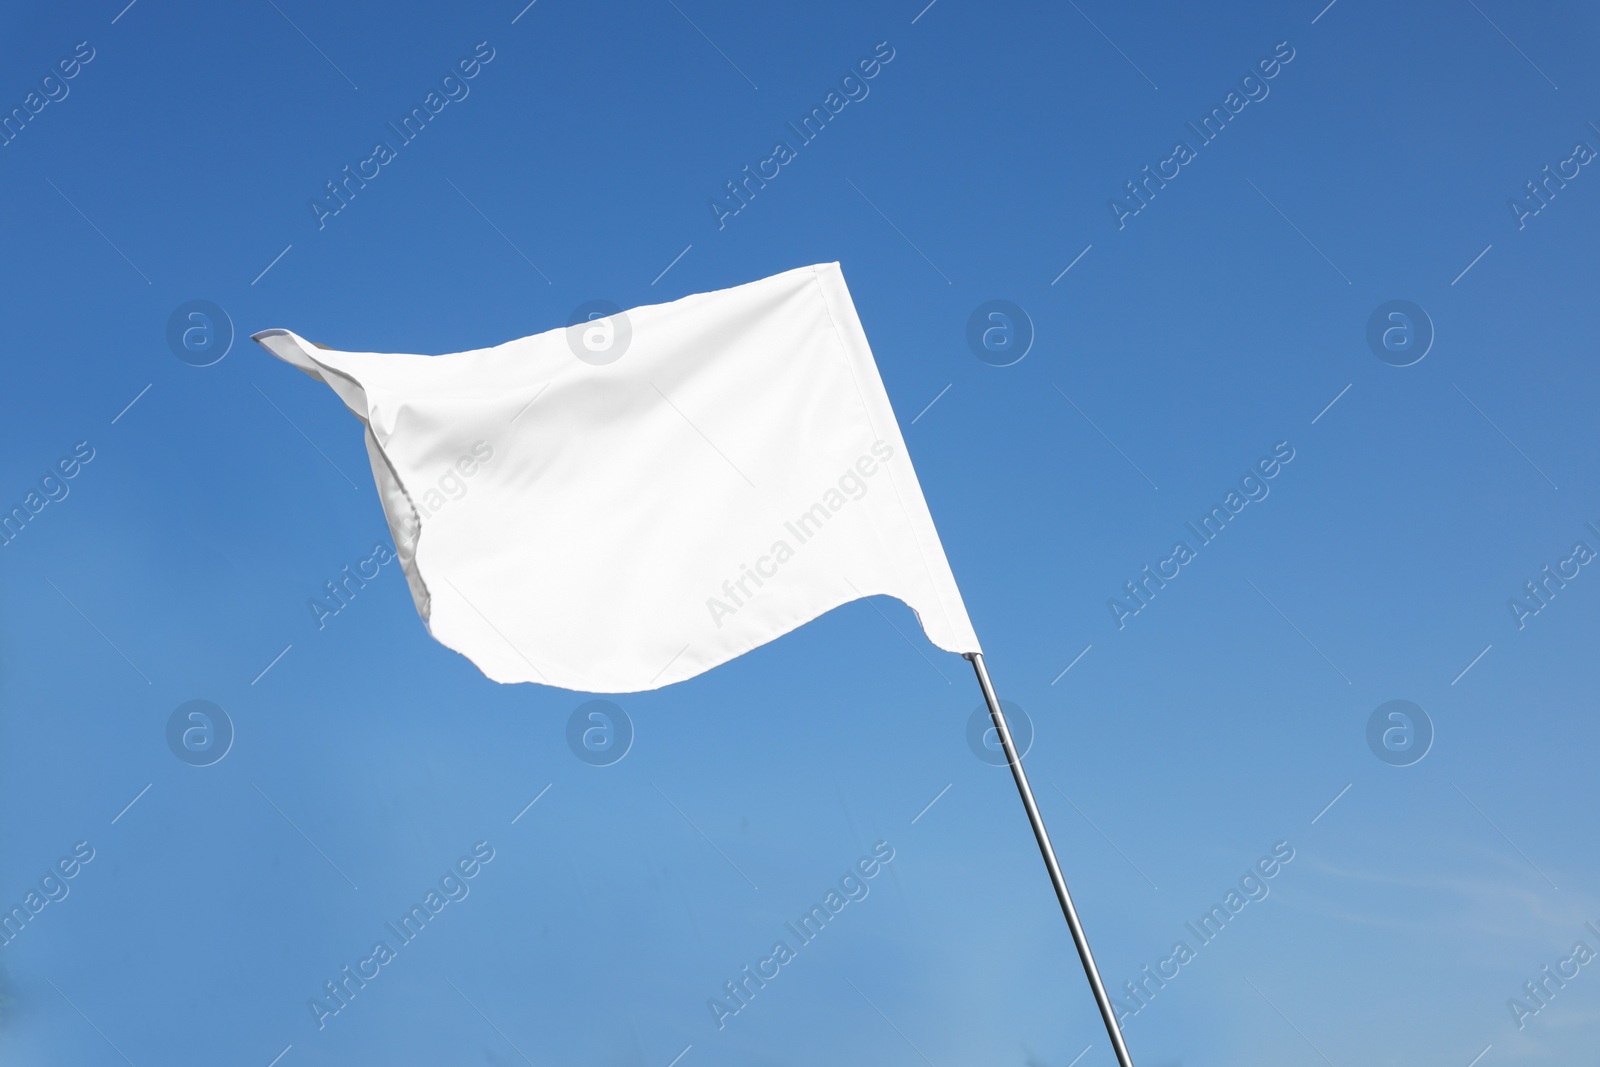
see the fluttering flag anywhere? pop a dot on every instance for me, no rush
(641, 496)
(637, 498)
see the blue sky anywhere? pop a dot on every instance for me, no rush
(1174, 348)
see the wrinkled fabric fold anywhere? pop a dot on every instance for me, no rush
(620, 523)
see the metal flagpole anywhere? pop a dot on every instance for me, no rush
(1049, 854)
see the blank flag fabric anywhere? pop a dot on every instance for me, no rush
(630, 501)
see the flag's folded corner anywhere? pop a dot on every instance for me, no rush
(724, 469)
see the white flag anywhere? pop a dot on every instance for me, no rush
(635, 499)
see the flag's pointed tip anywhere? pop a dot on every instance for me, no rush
(287, 345)
(260, 336)
(265, 338)
(292, 349)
